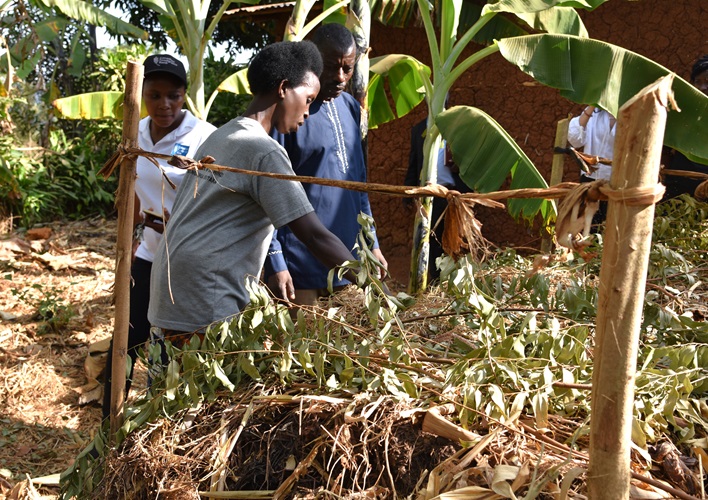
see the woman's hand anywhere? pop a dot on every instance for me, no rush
(155, 222)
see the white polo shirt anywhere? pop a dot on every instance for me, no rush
(150, 186)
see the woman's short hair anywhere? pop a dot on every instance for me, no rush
(698, 68)
(280, 61)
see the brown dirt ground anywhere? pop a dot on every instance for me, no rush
(42, 426)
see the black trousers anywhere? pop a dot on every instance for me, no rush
(436, 249)
(139, 329)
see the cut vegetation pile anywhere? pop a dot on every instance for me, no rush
(480, 387)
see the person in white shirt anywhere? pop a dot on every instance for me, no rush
(594, 131)
(168, 129)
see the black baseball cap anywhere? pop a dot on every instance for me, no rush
(164, 63)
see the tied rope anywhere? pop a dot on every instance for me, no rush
(462, 234)
(637, 196)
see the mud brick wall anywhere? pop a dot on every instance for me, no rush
(671, 32)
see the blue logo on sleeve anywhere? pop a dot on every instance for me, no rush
(180, 149)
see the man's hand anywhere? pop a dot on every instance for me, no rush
(377, 253)
(281, 284)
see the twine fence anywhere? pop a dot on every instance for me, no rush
(462, 234)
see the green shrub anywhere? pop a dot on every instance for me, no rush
(48, 167)
(57, 181)
(50, 308)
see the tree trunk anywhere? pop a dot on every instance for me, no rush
(362, 36)
(627, 241)
(420, 257)
(125, 199)
(297, 20)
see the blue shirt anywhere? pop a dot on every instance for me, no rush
(328, 145)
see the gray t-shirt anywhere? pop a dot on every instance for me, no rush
(213, 242)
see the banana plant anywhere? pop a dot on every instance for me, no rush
(295, 29)
(360, 26)
(298, 28)
(27, 51)
(485, 153)
(185, 21)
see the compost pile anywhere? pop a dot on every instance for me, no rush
(478, 389)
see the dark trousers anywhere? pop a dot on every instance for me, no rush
(139, 329)
(436, 249)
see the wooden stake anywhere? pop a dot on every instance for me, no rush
(640, 131)
(559, 158)
(125, 199)
(557, 169)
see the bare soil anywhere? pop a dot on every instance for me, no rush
(55, 300)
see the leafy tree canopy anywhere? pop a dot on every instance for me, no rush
(238, 36)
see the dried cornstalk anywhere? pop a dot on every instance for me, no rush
(640, 130)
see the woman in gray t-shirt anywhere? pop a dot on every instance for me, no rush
(221, 224)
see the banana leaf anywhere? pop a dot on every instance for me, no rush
(49, 29)
(339, 16)
(91, 106)
(84, 11)
(498, 27)
(401, 13)
(76, 60)
(395, 13)
(486, 155)
(449, 18)
(406, 76)
(24, 56)
(237, 83)
(594, 72)
(552, 16)
(562, 20)
(521, 6)
(159, 6)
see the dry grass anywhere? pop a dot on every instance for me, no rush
(41, 364)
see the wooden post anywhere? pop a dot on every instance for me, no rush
(557, 168)
(640, 131)
(559, 158)
(125, 199)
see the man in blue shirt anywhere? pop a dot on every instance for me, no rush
(328, 145)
